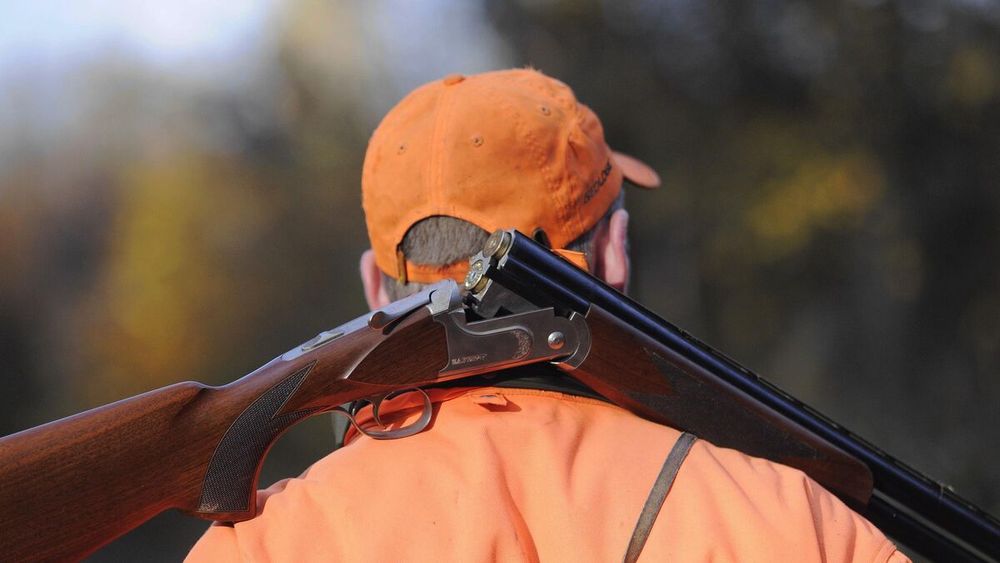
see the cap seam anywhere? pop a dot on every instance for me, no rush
(567, 103)
(573, 106)
(551, 161)
(539, 154)
(437, 150)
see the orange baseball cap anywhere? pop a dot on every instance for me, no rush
(503, 149)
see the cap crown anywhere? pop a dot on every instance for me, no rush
(504, 149)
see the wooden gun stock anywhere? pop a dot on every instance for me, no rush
(70, 486)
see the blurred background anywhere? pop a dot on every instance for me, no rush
(179, 194)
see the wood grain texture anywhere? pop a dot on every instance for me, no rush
(70, 486)
(648, 379)
(411, 355)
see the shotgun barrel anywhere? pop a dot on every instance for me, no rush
(919, 512)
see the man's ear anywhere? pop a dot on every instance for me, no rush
(612, 250)
(371, 279)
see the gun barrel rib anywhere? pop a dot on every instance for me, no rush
(543, 277)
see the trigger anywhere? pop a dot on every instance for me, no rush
(375, 410)
(418, 425)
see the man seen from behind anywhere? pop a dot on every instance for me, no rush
(527, 464)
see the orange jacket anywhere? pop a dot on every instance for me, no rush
(527, 475)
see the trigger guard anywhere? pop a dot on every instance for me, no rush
(418, 426)
(375, 410)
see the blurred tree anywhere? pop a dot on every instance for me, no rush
(180, 273)
(830, 214)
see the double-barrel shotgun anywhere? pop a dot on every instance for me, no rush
(71, 486)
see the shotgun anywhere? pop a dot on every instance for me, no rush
(733, 407)
(71, 486)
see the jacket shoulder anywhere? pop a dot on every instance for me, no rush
(740, 507)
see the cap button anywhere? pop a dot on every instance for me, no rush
(452, 79)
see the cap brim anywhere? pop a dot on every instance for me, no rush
(636, 171)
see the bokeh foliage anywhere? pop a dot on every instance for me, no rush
(829, 217)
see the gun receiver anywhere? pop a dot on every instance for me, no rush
(658, 371)
(73, 485)
(70, 486)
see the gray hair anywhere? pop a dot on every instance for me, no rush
(441, 240)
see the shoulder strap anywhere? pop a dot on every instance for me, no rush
(657, 495)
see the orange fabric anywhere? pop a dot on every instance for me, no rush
(505, 149)
(526, 475)
(458, 270)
